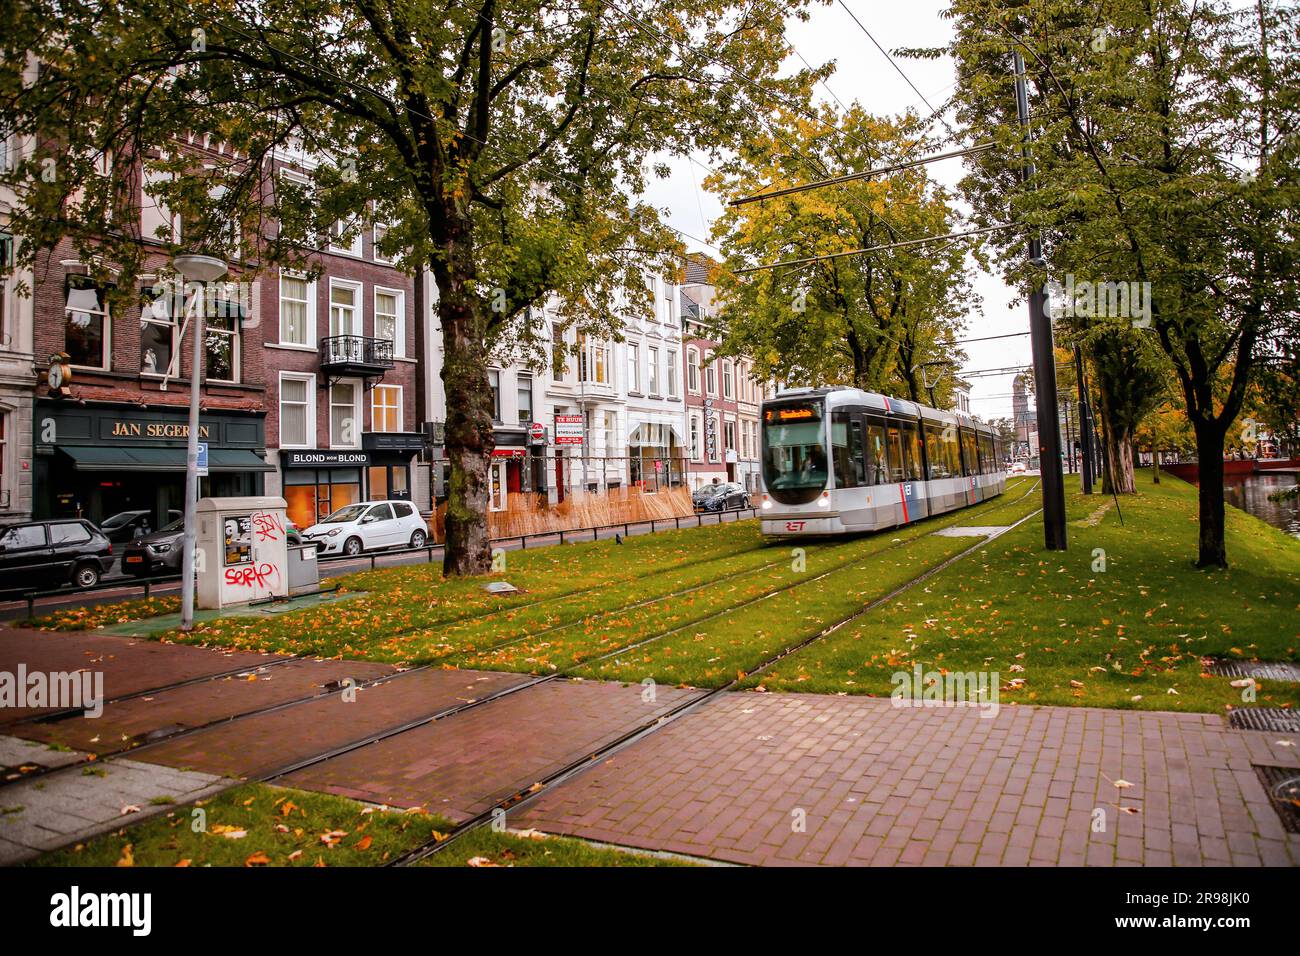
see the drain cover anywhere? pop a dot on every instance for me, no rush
(1273, 719)
(504, 587)
(161, 733)
(1282, 784)
(1260, 670)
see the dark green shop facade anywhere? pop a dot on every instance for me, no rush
(94, 461)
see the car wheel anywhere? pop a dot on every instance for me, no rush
(86, 576)
(352, 547)
(418, 538)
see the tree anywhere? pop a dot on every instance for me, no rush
(502, 141)
(873, 321)
(1165, 160)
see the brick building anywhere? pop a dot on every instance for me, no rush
(307, 390)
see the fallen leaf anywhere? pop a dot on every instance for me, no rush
(258, 859)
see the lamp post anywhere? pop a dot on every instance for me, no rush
(195, 268)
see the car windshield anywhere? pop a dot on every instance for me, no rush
(119, 519)
(344, 515)
(177, 525)
(708, 491)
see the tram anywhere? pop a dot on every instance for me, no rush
(841, 461)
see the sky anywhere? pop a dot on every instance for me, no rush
(865, 74)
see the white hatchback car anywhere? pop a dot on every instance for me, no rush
(368, 525)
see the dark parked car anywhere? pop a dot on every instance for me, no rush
(128, 525)
(159, 553)
(724, 496)
(44, 555)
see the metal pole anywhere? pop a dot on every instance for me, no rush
(1040, 331)
(1085, 423)
(192, 471)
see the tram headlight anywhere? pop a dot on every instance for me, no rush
(767, 503)
(825, 500)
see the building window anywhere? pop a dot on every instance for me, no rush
(715, 422)
(157, 331)
(494, 380)
(634, 368)
(297, 411)
(386, 408)
(524, 391)
(297, 311)
(592, 361)
(653, 356)
(727, 375)
(710, 377)
(380, 232)
(345, 237)
(611, 434)
(693, 371)
(729, 436)
(559, 360)
(695, 437)
(389, 312)
(343, 308)
(344, 432)
(87, 325)
(671, 373)
(221, 342)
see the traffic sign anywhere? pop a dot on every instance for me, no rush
(203, 459)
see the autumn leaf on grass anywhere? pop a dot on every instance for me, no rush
(127, 858)
(333, 837)
(258, 859)
(295, 855)
(229, 832)
(364, 842)
(479, 861)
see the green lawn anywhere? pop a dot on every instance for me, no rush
(262, 825)
(1131, 636)
(102, 615)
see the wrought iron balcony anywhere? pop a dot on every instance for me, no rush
(355, 355)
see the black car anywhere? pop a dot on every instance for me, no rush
(47, 554)
(724, 496)
(159, 553)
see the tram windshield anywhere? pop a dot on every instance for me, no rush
(794, 452)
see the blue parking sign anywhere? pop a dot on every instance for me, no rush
(203, 459)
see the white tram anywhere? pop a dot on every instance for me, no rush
(841, 460)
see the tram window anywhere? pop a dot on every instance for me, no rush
(897, 468)
(935, 453)
(952, 450)
(912, 459)
(846, 446)
(970, 462)
(877, 457)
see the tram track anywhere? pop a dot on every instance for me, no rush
(564, 773)
(522, 798)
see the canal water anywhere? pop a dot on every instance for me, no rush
(1250, 493)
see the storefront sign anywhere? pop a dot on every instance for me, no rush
(508, 453)
(568, 429)
(314, 458)
(128, 429)
(537, 432)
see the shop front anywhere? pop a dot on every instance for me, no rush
(319, 481)
(97, 461)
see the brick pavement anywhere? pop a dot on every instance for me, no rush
(128, 664)
(465, 764)
(62, 809)
(257, 745)
(198, 704)
(878, 785)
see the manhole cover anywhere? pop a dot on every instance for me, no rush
(1282, 784)
(1273, 719)
(1260, 670)
(505, 587)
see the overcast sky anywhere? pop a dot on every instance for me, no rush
(863, 73)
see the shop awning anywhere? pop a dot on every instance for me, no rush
(101, 458)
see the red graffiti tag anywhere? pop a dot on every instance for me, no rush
(253, 576)
(269, 527)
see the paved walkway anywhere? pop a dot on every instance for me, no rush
(783, 779)
(809, 779)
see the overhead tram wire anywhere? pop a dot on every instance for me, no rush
(866, 173)
(889, 245)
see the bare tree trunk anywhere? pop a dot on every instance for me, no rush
(469, 417)
(1117, 475)
(1212, 550)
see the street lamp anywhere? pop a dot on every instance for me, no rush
(195, 268)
